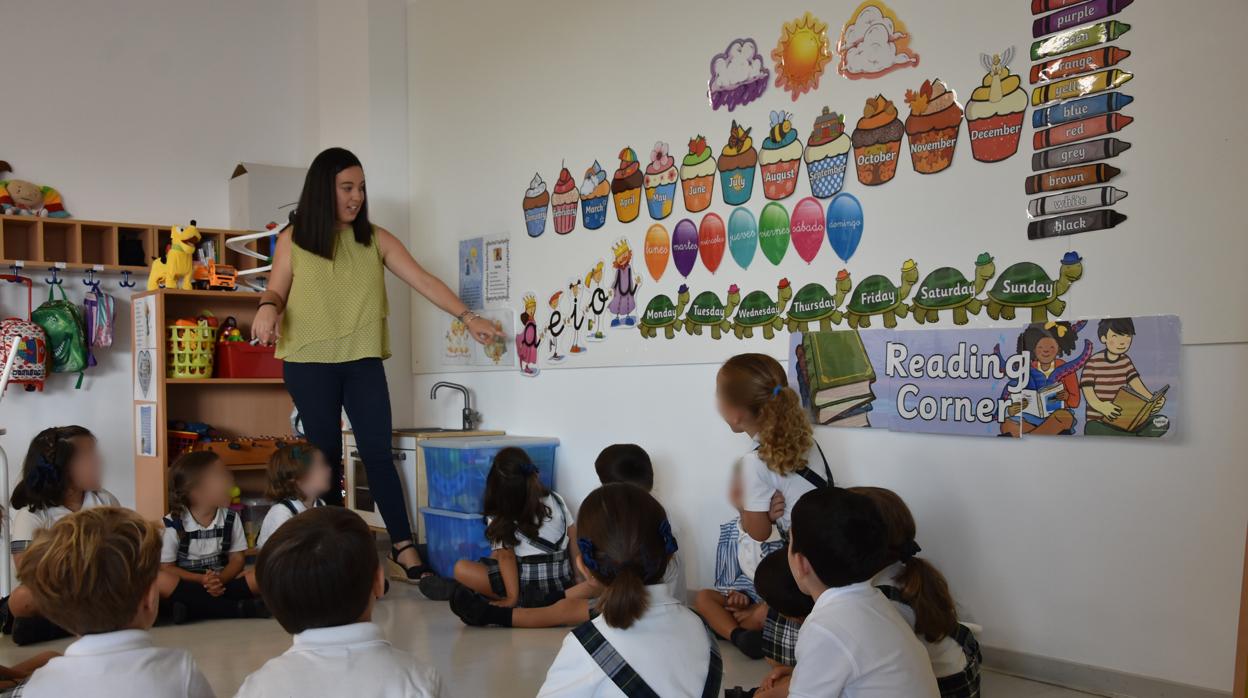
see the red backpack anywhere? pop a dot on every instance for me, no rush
(30, 368)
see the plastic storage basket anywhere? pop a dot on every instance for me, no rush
(453, 536)
(455, 469)
(191, 350)
(242, 360)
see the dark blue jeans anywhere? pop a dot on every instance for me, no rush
(321, 392)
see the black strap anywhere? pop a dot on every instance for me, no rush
(290, 506)
(814, 478)
(626, 678)
(544, 544)
(227, 532)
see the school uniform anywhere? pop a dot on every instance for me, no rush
(780, 634)
(955, 658)
(197, 548)
(737, 556)
(674, 576)
(278, 514)
(855, 643)
(27, 521)
(344, 660)
(668, 652)
(123, 664)
(543, 562)
(761, 483)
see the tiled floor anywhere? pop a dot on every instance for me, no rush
(473, 662)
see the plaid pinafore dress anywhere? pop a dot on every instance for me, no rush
(626, 678)
(965, 683)
(543, 576)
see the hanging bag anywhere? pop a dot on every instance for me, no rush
(30, 368)
(66, 332)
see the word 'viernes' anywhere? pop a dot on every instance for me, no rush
(966, 363)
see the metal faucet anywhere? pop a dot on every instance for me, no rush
(472, 418)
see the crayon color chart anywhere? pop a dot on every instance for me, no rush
(1077, 116)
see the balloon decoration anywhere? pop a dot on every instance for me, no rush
(742, 236)
(844, 225)
(685, 246)
(807, 228)
(658, 249)
(773, 232)
(711, 240)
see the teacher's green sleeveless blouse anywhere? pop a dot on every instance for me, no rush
(337, 307)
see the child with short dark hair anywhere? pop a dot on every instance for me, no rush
(787, 608)
(644, 642)
(60, 475)
(298, 477)
(529, 528)
(203, 554)
(854, 642)
(95, 573)
(321, 576)
(625, 463)
(1109, 371)
(922, 596)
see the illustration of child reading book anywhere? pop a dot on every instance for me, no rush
(1046, 405)
(1119, 404)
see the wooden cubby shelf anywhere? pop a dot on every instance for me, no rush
(80, 245)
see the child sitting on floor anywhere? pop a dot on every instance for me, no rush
(854, 642)
(623, 463)
(529, 527)
(733, 608)
(645, 642)
(61, 475)
(320, 575)
(94, 573)
(204, 546)
(298, 476)
(787, 608)
(921, 594)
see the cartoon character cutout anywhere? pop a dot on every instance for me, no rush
(1119, 403)
(527, 339)
(555, 325)
(624, 287)
(576, 317)
(457, 347)
(873, 43)
(1046, 405)
(598, 299)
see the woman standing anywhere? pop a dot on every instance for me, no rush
(326, 309)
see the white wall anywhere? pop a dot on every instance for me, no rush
(1118, 555)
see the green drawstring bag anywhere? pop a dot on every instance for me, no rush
(67, 333)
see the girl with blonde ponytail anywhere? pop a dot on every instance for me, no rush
(921, 594)
(643, 640)
(754, 397)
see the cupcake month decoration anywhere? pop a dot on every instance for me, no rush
(660, 181)
(564, 203)
(697, 175)
(737, 162)
(626, 187)
(738, 75)
(781, 157)
(536, 203)
(877, 141)
(932, 127)
(594, 191)
(827, 154)
(994, 114)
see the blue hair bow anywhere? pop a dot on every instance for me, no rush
(44, 473)
(586, 546)
(670, 546)
(776, 390)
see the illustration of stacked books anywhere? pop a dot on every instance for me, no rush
(835, 375)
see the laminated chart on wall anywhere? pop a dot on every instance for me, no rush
(1113, 376)
(1078, 69)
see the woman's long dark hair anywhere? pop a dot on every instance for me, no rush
(513, 498)
(45, 472)
(316, 218)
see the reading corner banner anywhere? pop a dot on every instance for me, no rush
(1098, 377)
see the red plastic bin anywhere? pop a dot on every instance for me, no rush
(242, 360)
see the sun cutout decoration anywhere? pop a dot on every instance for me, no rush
(801, 55)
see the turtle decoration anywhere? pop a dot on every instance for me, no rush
(759, 310)
(707, 310)
(662, 314)
(946, 289)
(876, 295)
(813, 303)
(1026, 285)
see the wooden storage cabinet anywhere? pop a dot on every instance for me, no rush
(233, 406)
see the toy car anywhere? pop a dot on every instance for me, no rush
(215, 277)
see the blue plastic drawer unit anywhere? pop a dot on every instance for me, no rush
(453, 536)
(455, 469)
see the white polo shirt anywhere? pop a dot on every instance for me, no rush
(668, 647)
(201, 548)
(346, 660)
(26, 521)
(854, 643)
(552, 529)
(946, 655)
(761, 483)
(124, 664)
(279, 514)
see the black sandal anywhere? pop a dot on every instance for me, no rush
(398, 571)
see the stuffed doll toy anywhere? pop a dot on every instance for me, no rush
(21, 198)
